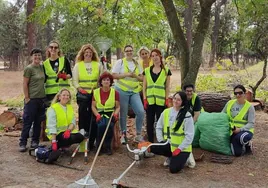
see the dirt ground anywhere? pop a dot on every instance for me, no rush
(19, 170)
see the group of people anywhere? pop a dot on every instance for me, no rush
(143, 85)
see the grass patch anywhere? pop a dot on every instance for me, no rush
(15, 102)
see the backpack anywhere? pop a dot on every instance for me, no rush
(44, 154)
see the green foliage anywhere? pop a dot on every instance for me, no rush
(15, 102)
(211, 83)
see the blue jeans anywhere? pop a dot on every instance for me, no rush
(134, 100)
(102, 124)
(239, 141)
(33, 114)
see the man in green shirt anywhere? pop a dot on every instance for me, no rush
(34, 95)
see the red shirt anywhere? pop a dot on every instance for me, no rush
(104, 96)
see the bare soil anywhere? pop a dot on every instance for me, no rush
(19, 170)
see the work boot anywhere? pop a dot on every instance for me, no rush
(108, 151)
(22, 148)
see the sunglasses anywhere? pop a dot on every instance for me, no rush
(238, 93)
(53, 47)
(144, 53)
(129, 51)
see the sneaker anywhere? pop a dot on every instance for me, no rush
(148, 154)
(34, 145)
(82, 132)
(22, 148)
(190, 161)
(123, 139)
(138, 138)
(108, 151)
(249, 148)
(167, 162)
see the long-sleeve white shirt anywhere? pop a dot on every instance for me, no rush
(52, 120)
(188, 128)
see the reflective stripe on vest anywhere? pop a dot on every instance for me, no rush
(51, 86)
(129, 84)
(193, 101)
(238, 120)
(87, 81)
(155, 91)
(176, 137)
(109, 104)
(64, 119)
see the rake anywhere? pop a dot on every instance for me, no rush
(88, 181)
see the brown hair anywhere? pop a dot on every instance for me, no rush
(48, 55)
(80, 55)
(161, 58)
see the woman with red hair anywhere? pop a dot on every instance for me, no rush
(105, 101)
(156, 82)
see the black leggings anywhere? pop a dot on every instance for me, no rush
(176, 162)
(152, 111)
(74, 138)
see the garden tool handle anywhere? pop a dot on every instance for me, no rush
(99, 148)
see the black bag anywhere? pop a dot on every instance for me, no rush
(83, 97)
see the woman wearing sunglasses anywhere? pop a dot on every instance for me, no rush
(57, 70)
(128, 74)
(242, 119)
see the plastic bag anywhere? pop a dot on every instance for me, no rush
(195, 142)
(214, 132)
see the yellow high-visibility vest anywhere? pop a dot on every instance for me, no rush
(51, 86)
(109, 104)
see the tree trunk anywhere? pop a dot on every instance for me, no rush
(215, 33)
(109, 56)
(198, 41)
(14, 60)
(118, 53)
(178, 36)
(213, 102)
(31, 38)
(188, 21)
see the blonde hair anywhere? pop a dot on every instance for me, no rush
(48, 55)
(143, 48)
(80, 55)
(56, 98)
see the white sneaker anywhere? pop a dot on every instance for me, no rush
(167, 162)
(190, 161)
(82, 132)
(123, 139)
(138, 138)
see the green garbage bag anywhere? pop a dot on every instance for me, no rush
(195, 142)
(214, 132)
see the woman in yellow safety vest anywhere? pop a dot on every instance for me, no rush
(144, 55)
(242, 119)
(156, 83)
(86, 73)
(61, 122)
(57, 71)
(177, 124)
(105, 101)
(128, 74)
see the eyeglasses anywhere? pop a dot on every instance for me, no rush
(129, 51)
(53, 47)
(238, 93)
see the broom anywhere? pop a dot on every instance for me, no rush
(88, 181)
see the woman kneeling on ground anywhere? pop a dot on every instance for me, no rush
(105, 101)
(177, 122)
(61, 122)
(242, 119)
